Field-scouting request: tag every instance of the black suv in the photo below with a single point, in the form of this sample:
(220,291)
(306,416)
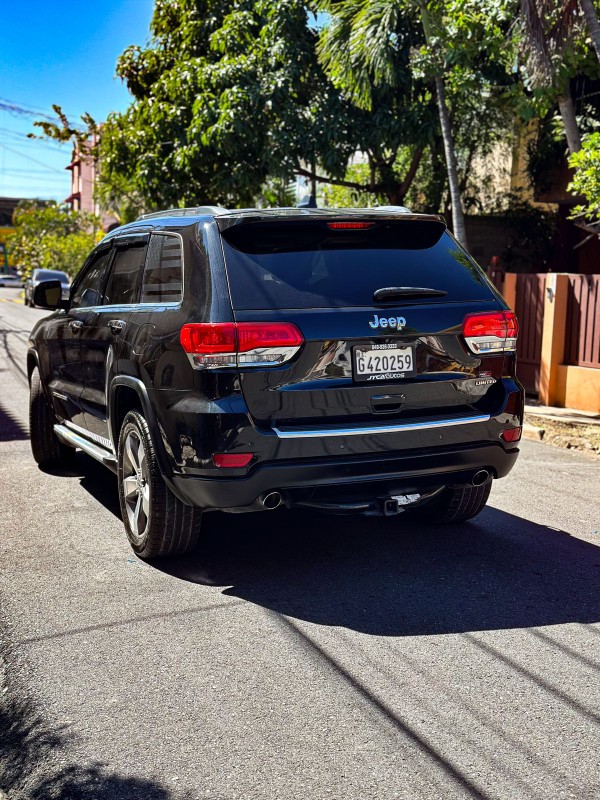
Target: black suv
(352,361)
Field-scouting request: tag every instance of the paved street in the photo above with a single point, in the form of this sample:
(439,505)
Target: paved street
(296,656)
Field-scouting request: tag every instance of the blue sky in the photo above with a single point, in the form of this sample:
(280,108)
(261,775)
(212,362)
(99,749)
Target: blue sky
(64,52)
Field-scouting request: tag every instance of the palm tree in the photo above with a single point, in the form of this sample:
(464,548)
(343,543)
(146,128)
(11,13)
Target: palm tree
(591,18)
(357,49)
(548,28)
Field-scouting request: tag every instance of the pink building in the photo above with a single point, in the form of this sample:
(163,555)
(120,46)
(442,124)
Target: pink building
(83,182)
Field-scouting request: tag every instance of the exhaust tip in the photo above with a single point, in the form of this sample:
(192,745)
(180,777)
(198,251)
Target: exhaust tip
(271,500)
(480,477)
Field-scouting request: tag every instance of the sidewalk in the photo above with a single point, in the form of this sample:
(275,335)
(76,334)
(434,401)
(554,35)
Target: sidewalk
(563,427)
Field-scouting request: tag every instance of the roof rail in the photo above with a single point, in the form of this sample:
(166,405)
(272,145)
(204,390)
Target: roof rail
(185,212)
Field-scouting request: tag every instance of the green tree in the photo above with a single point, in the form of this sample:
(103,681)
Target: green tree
(586,180)
(51,236)
(229,97)
(457,55)
(552,34)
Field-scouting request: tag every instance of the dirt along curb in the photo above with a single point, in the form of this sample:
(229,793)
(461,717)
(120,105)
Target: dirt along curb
(571,435)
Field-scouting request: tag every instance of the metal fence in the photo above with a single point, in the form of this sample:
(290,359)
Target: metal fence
(529,309)
(582,345)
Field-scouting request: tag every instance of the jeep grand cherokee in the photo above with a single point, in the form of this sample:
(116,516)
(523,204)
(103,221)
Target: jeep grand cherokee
(352,361)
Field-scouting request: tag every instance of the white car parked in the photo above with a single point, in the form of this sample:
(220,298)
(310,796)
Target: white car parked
(10,279)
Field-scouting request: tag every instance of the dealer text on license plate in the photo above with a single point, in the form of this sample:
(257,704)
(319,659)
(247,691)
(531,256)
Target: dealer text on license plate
(383,362)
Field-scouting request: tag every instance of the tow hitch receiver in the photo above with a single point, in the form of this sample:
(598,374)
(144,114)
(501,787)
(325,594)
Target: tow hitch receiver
(390,507)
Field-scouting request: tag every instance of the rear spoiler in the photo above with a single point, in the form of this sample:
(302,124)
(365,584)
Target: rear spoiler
(245,216)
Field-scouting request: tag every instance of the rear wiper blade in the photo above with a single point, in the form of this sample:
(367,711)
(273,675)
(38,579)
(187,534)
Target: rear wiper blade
(389,293)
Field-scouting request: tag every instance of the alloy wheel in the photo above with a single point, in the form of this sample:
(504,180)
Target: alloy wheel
(136,485)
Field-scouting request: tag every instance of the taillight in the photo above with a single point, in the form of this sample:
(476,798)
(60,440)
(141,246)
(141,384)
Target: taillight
(493,332)
(211,345)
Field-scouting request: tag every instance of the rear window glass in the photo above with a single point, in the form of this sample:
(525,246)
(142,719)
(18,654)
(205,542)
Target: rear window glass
(164,270)
(51,275)
(308,265)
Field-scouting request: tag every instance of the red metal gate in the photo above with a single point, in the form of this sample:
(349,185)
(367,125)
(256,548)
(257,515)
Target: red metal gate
(530,314)
(582,346)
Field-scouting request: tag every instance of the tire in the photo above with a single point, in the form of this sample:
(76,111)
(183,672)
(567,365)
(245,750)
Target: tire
(156,522)
(47,450)
(457,504)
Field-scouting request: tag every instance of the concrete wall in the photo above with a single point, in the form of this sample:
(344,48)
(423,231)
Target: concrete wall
(561,385)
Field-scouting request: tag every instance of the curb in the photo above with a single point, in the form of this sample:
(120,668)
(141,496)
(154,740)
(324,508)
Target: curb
(530,432)
(563,433)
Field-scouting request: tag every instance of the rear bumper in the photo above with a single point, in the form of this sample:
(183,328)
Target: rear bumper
(412,470)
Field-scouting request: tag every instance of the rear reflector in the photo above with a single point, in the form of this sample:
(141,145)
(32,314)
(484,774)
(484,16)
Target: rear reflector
(350,226)
(511,434)
(232,460)
(232,344)
(492,332)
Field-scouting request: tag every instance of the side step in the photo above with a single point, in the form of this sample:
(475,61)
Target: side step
(94,450)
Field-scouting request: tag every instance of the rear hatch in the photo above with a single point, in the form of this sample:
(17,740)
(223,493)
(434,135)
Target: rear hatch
(380,304)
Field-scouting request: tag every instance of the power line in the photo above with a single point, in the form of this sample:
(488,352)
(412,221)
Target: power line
(13,108)
(23,138)
(31,158)
(21,109)
(24,171)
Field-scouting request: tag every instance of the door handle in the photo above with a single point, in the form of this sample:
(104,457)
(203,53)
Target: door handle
(116,325)
(76,324)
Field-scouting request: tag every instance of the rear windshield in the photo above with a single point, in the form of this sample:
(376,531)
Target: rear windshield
(52,275)
(308,265)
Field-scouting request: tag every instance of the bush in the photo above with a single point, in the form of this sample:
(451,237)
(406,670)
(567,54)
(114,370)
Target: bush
(51,236)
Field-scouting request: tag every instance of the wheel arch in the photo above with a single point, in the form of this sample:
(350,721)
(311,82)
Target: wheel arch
(33,361)
(129,394)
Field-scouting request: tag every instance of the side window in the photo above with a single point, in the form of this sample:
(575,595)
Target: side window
(88,291)
(163,275)
(123,280)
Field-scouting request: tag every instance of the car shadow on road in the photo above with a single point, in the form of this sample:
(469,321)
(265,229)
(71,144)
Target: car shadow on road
(398,576)
(388,576)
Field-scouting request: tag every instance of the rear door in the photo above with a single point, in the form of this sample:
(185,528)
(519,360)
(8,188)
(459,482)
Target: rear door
(368,353)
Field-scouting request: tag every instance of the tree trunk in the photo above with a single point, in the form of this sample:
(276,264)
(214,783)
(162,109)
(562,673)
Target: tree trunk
(567,112)
(458,220)
(591,18)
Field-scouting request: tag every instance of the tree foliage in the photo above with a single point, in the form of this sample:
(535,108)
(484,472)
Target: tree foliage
(586,180)
(51,236)
(230,95)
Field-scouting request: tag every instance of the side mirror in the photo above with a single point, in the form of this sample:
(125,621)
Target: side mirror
(48,294)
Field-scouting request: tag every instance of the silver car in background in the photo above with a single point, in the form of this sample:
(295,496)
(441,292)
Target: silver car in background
(39,275)
(10,279)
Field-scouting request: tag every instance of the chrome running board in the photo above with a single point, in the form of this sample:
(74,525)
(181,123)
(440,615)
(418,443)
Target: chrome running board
(94,450)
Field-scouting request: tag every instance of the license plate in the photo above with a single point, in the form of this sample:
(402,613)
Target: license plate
(382,362)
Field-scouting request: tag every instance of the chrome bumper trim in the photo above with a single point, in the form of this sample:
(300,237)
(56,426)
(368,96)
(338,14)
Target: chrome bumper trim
(374,429)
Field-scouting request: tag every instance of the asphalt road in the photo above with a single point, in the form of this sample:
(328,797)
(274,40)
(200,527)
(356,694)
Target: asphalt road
(295,655)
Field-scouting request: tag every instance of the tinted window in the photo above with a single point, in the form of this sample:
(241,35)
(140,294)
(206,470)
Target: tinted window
(88,291)
(124,275)
(51,275)
(308,265)
(163,272)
